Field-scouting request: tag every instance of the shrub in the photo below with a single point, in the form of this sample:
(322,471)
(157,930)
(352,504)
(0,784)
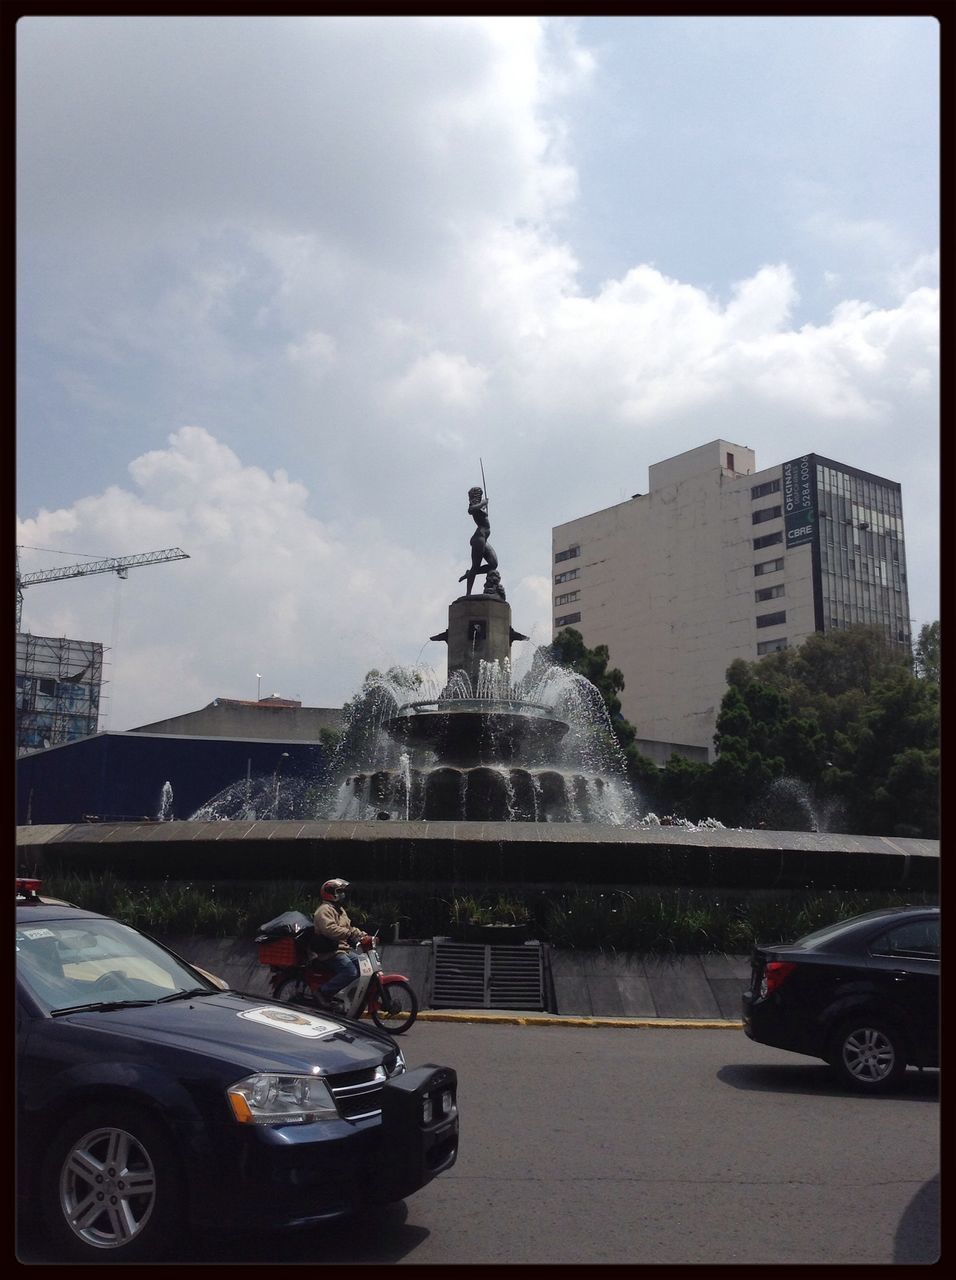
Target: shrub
(674,921)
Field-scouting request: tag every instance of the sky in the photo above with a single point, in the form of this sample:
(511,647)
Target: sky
(285,285)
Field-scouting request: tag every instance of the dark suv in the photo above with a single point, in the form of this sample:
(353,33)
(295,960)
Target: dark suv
(148,1097)
(863,994)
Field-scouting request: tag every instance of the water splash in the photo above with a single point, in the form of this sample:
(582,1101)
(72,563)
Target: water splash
(788,804)
(165,803)
(535,747)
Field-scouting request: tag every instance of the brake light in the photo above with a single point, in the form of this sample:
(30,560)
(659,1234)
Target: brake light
(28,887)
(776,972)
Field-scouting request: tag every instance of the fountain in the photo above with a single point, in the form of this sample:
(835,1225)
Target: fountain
(482,744)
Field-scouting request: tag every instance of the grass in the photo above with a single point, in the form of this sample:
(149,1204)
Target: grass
(649,922)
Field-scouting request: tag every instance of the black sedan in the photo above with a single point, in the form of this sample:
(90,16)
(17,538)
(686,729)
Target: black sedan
(862,994)
(149,1098)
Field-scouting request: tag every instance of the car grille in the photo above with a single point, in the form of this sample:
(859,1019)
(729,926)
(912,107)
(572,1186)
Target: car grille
(358,1094)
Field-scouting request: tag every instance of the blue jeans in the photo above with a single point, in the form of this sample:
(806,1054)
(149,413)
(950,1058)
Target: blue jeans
(345,970)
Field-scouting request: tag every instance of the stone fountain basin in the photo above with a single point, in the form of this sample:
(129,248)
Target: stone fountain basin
(477,729)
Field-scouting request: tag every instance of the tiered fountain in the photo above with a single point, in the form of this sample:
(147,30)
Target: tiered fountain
(482,746)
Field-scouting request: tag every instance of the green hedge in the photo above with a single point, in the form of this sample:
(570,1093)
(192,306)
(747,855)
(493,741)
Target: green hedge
(670,921)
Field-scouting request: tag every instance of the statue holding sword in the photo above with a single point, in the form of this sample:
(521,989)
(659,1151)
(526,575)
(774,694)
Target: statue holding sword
(483,558)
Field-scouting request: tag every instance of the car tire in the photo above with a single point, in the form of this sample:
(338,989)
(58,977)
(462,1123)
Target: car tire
(868,1054)
(111,1187)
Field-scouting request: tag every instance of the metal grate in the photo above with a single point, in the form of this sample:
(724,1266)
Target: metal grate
(473,976)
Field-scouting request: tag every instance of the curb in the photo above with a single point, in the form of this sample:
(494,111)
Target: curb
(569,1020)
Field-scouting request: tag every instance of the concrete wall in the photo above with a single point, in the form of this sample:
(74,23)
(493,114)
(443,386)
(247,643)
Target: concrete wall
(583,983)
(449,854)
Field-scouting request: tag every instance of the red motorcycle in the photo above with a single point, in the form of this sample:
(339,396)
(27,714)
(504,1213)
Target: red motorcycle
(285,945)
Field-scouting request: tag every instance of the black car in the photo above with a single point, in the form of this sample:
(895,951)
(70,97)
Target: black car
(149,1098)
(862,994)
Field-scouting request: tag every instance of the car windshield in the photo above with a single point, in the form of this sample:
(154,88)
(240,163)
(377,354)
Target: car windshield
(67,964)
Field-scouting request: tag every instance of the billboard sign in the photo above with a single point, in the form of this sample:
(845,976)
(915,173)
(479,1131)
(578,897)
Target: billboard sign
(799,507)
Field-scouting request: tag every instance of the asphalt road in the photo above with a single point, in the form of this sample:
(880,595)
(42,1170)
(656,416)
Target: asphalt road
(605,1145)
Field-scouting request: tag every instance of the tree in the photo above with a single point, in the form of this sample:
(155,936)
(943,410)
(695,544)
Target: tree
(926,653)
(887,763)
(759,739)
(844,716)
(569,650)
(831,675)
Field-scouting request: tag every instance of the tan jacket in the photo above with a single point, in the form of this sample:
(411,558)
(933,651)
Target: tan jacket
(331,921)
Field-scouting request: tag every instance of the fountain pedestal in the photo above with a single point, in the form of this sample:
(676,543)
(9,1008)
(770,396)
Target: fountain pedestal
(479,630)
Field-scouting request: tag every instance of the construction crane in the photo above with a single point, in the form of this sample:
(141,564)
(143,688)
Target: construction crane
(120,565)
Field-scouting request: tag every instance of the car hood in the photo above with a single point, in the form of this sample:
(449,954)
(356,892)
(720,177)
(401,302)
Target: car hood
(261,1035)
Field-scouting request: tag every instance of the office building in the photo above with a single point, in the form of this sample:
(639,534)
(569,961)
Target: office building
(719,561)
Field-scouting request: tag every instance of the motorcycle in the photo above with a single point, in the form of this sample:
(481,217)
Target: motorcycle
(297,974)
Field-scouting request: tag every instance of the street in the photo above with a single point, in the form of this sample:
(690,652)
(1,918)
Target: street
(599,1145)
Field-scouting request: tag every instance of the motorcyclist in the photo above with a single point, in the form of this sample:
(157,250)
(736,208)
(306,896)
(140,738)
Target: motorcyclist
(334,936)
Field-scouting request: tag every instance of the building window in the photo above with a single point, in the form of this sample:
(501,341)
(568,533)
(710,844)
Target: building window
(761,490)
(769,593)
(568,598)
(567,620)
(770,646)
(768,540)
(768,566)
(772,619)
(571,553)
(566,576)
(730,462)
(766,513)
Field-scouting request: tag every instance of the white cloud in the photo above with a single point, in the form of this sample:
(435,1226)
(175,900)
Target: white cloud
(450,380)
(341,250)
(315,354)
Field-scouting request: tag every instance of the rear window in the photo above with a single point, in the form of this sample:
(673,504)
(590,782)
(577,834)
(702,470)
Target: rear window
(822,938)
(918,939)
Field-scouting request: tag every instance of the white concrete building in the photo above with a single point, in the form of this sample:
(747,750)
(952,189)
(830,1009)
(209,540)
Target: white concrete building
(719,561)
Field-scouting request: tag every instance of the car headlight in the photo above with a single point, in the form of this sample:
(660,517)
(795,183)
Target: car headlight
(398,1066)
(272,1099)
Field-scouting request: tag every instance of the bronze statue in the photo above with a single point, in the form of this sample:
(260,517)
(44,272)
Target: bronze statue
(481,549)
(493,585)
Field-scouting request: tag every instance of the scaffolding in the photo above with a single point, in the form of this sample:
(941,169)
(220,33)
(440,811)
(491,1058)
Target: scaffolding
(58,685)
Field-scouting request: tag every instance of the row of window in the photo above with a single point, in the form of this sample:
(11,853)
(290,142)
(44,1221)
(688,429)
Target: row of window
(568,598)
(761,490)
(768,566)
(571,554)
(772,619)
(771,646)
(769,593)
(567,620)
(768,540)
(766,513)
(566,576)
